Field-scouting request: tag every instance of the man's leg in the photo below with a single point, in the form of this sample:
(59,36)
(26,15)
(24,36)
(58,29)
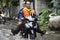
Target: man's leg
(16,30)
(39,30)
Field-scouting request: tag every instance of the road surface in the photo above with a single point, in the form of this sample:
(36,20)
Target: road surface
(5,33)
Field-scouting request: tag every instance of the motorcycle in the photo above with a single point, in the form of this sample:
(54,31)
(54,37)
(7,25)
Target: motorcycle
(30,26)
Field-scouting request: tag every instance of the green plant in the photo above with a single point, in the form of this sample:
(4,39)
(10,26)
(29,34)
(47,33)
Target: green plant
(44,18)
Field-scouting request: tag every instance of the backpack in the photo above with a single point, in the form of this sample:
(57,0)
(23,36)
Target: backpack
(20,15)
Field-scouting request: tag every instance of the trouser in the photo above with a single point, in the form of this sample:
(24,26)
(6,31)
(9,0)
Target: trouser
(18,29)
(38,28)
(39,31)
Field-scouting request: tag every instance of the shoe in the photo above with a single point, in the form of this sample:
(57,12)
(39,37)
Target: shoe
(44,32)
(12,31)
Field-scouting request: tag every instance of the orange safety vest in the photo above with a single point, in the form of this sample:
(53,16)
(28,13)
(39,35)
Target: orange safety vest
(27,12)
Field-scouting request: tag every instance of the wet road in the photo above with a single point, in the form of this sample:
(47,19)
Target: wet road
(5,33)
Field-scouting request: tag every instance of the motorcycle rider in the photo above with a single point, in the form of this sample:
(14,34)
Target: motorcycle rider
(27,11)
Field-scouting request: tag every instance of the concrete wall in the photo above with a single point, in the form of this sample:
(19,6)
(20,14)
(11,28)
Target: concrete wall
(39,5)
(21,2)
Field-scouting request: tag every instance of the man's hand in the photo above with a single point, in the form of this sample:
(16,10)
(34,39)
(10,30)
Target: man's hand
(22,18)
(19,23)
(33,11)
(16,18)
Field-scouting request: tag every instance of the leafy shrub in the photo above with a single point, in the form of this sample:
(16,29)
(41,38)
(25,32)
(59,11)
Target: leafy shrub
(44,18)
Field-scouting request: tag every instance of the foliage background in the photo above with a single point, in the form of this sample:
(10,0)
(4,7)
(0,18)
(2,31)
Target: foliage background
(44,19)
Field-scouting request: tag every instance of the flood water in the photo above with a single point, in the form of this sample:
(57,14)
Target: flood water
(5,33)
